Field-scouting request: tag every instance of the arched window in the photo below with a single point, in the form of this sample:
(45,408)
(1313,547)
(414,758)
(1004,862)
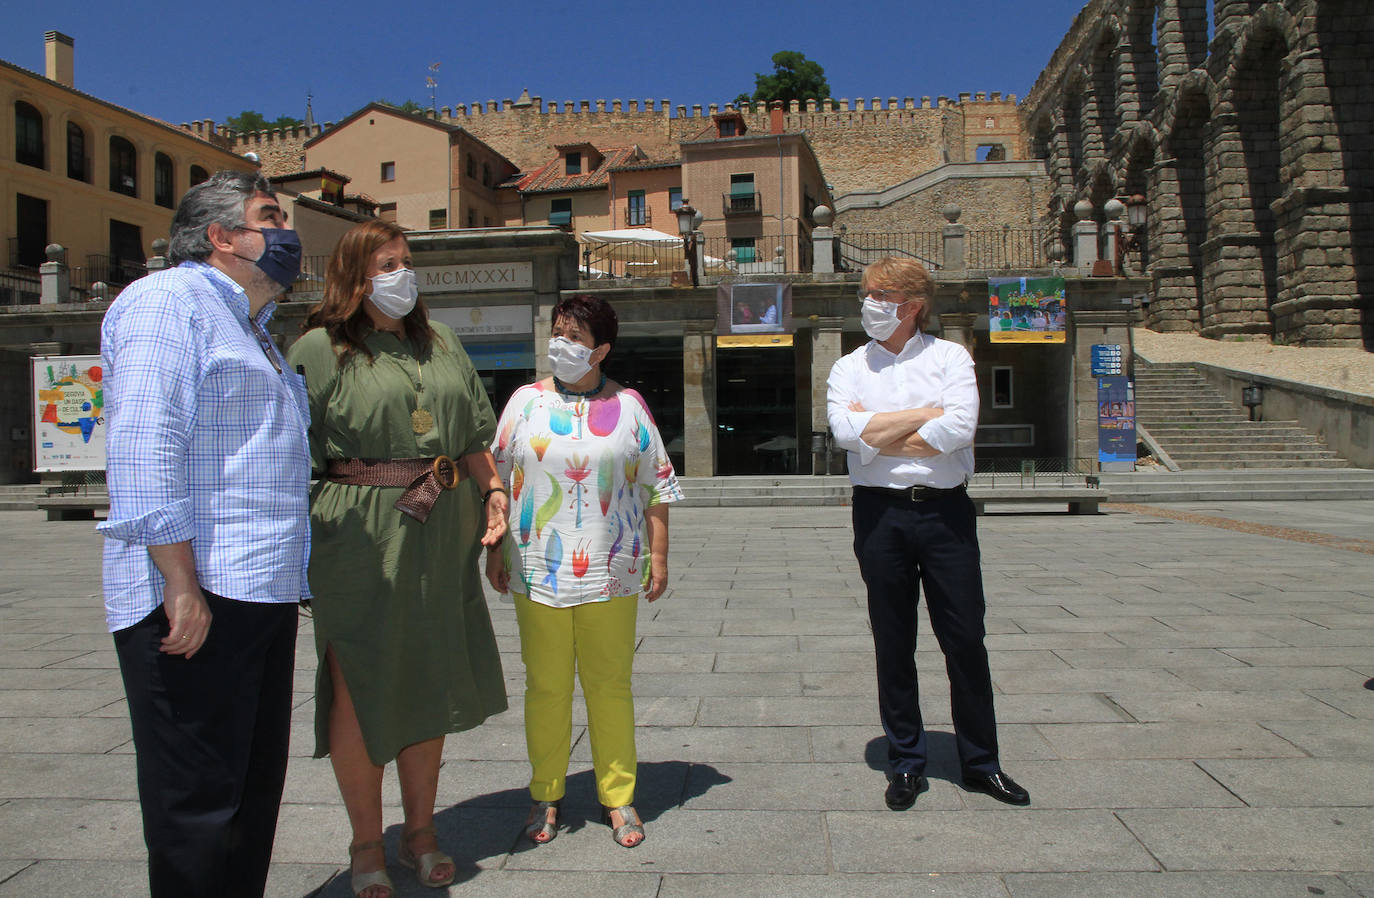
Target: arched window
(163,192)
(123,167)
(76,152)
(198,174)
(28,135)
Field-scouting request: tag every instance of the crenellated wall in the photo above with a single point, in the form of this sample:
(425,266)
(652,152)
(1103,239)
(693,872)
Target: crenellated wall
(862,144)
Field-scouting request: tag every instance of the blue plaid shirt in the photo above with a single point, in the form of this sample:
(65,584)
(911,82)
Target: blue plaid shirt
(205,442)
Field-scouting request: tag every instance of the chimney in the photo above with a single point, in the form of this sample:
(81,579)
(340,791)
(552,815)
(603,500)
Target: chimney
(58,56)
(775,119)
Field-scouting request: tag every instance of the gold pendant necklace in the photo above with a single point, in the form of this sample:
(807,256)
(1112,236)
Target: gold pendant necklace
(421,421)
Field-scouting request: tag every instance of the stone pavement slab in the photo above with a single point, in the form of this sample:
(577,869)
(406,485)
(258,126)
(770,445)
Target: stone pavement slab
(1185,702)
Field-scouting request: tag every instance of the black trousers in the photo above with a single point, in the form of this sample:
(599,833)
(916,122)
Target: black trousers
(902,545)
(211,736)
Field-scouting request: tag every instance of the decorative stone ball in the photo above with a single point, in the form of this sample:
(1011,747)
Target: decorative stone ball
(55,252)
(1083,209)
(1114,208)
(160,247)
(952,212)
(822,216)
(1056,252)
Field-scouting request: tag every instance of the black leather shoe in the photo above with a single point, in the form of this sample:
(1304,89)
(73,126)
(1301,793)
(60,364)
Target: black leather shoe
(903,789)
(998,785)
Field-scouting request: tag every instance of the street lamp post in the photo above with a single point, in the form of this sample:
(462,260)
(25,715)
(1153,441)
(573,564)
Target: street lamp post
(687,227)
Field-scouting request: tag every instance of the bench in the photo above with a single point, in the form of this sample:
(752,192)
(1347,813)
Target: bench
(1081,499)
(61,507)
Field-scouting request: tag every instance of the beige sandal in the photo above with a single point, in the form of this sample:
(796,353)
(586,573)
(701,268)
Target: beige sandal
(361,882)
(424,864)
(630,825)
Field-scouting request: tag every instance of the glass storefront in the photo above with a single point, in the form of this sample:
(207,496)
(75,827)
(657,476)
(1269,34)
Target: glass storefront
(653,366)
(756,410)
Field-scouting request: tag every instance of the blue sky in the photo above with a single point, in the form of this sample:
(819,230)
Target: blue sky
(172,62)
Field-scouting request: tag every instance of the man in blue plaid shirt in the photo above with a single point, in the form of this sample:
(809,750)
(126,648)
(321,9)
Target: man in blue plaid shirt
(208,535)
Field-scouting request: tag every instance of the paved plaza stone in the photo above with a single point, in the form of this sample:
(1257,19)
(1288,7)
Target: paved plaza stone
(1184,699)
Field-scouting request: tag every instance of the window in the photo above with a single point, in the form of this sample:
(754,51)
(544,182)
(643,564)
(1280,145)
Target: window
(744,249)
(560,212)
(674,198)
(126,253)
(728,127)
(76,152)
(438,218)
(163,192)
(742,196)
(1001,387)
(472,166)
(198,175)
(32,219)
(574,164)
(388,171)
(28,135)
(123,167)
(472,218)
(636,215)
(486,175)
(991,152)
(387,212)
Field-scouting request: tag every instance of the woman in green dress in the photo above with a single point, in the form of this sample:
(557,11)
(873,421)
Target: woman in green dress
(399,431)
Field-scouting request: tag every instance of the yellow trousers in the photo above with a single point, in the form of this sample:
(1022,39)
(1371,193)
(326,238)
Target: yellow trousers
(597,638)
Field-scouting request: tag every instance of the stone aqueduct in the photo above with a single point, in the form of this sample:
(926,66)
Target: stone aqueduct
(1254,151)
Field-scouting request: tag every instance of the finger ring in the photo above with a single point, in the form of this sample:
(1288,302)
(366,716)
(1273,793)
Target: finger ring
(185,637)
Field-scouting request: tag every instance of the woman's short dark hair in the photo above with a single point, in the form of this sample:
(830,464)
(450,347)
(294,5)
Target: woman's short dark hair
(593,313)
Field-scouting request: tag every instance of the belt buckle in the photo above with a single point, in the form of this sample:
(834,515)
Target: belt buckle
(441,463)
(916,493)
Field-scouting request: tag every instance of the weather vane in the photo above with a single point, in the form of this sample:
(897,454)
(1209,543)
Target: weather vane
(432,84)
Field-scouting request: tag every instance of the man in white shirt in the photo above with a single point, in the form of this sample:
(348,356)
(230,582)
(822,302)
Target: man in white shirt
(905,408)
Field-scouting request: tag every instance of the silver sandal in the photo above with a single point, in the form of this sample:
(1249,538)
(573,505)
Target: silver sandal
(543,832)
(632,825)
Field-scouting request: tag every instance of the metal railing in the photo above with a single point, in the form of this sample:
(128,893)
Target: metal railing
(1001,249)
(637,216)
(857,249)
(19,289)
(1035,472)
(742,203)
(310,282)
(112,270)
(721,255)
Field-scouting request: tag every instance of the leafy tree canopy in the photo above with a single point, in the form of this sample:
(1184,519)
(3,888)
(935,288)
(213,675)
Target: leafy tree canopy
(407,106)
(794,78)
(252,120)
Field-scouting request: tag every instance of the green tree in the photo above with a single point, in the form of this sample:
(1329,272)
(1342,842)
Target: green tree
(794,78)
(407,106)
(252,120)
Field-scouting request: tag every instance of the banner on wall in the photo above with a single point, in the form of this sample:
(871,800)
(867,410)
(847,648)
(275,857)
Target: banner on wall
(1026,310)
(754,309)
(1115,419)
(68,413)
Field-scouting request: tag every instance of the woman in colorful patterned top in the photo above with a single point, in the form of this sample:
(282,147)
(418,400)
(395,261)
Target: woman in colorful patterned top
(589,484)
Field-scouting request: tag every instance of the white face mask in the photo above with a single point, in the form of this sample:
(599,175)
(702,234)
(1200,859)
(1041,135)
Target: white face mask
(880,318)
(570,361)
(394,292)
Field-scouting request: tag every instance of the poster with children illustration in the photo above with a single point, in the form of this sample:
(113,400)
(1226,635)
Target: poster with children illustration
(1026,310)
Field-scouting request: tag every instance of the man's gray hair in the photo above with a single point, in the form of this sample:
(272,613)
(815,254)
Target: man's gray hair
(218,200)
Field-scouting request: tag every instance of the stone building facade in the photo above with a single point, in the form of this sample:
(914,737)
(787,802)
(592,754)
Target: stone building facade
(1251,149)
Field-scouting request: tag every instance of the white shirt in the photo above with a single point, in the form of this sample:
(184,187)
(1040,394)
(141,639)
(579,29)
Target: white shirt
(928,372)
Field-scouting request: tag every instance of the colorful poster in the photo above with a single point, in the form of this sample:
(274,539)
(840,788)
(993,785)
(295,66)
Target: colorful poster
(754,309)
(1026,310)
(68,413)
(1115,419)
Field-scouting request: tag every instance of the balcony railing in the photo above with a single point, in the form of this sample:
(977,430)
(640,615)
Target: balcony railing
(637,216)
(742,203)
(113,270)
(1000,249)
(19,288)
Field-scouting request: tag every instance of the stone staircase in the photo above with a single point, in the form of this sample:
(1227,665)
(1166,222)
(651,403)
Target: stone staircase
(1242,485)
(1199,429)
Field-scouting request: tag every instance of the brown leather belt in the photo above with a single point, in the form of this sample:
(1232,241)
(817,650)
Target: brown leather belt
(423,478)
(913,493)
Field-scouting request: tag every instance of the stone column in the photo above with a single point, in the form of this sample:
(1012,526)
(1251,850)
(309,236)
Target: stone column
(955,236)
(826,348)
(1174,282)
(1084,238)
(1234,298)
(54,276)
(1085,329)
(957,327)
(823,241)
(699,398)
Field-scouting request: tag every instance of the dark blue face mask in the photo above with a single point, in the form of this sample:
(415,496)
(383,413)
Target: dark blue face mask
(281,254)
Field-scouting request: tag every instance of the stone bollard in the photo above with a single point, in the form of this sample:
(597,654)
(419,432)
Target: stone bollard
(954,236)
(1084,238)
(54,276)
(823,241)
(159,261)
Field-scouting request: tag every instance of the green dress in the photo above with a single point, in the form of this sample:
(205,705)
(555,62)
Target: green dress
(400,602)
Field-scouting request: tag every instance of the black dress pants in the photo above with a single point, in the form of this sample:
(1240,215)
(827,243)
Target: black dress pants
(901,546)
(211,736)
